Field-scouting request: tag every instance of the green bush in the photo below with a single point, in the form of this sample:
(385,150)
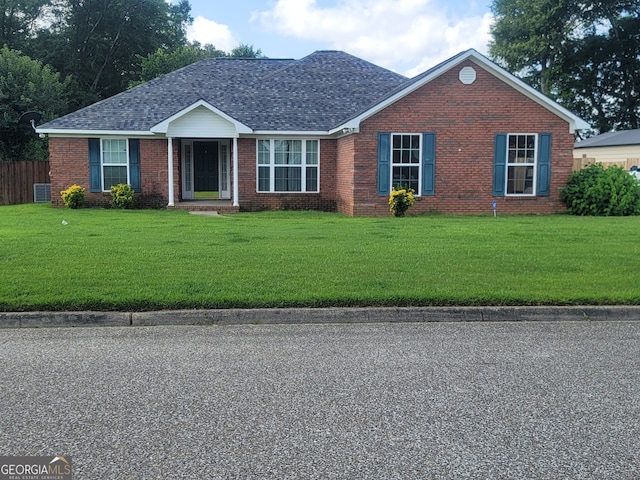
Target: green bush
(122,196)
(596,190)
(73,197)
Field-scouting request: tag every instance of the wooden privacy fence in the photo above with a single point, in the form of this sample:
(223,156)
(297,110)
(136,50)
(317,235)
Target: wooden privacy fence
(580,163)
(17,179)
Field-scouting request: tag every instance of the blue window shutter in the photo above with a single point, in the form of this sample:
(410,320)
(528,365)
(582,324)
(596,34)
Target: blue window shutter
(384,164)
(95,178)
(544,165)
(499,164)
(428,163)
(134,163)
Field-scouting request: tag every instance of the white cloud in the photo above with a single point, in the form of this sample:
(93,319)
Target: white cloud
(207,31)
(408,36)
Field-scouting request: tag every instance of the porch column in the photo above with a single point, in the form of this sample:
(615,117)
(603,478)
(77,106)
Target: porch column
(170,160)
(236,201)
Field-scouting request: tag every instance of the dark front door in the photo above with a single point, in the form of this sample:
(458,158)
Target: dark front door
(205,170)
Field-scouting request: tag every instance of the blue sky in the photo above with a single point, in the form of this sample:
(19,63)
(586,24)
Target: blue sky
(407,36)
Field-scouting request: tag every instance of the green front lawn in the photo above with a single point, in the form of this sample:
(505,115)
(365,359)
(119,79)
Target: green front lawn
(142,260)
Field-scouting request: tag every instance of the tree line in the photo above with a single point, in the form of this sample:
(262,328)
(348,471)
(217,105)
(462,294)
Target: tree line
(60,55)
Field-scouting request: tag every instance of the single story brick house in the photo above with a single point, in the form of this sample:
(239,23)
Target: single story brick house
(327,132)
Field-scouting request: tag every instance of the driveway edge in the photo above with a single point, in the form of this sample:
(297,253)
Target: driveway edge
(318,315)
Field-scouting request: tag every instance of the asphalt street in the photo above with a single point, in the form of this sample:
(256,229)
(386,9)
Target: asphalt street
(525,400)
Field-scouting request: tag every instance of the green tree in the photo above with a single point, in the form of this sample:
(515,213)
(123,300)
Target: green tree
(18,19)
(161,62)
(246,51)
(26,85)
(528,36)
(600,77)
(99,42)
(583,53)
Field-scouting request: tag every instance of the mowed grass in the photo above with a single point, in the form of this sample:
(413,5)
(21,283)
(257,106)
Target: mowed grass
(147,260)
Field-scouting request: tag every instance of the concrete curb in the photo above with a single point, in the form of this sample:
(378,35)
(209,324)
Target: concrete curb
(318,315)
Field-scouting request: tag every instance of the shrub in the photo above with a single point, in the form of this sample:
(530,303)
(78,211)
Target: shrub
(122,196)
(400,200)
(596,190)
(73,197)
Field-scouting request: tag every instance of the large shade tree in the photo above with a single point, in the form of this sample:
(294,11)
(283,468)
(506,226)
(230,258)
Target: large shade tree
(99,42)
(583,53)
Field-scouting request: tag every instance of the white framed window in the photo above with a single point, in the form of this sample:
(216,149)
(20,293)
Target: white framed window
(287,165)
(114,161)
(406,161)
(522,154)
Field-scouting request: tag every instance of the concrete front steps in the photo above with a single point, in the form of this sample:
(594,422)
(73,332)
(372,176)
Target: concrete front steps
(222,207)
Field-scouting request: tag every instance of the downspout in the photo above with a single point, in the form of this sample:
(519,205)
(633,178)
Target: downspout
(170,161)
(236,200)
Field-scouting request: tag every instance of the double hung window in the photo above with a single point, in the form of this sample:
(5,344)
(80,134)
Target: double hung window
(113,161)
(521,164)
(288,165)
(405,161)
(114,156)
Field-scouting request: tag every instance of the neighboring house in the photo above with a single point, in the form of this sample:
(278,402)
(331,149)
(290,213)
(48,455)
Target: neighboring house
(327,132)
(611,148)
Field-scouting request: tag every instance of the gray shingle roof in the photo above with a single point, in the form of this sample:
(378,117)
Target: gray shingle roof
(316,93)
(611,139)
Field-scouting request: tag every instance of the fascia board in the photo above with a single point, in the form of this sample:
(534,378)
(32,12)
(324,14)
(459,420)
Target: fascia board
(59,132)
(290,133)
(163,126)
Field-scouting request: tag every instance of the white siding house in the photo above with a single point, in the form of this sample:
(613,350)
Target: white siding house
(611,148)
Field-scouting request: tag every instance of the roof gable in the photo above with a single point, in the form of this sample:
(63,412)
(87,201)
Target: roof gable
(200,120)
(575,123)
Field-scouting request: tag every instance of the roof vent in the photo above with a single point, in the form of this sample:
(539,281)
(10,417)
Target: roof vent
(467,75)
(41,192)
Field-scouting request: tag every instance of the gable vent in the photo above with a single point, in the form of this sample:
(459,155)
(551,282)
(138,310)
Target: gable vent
(467,75)
(41,192)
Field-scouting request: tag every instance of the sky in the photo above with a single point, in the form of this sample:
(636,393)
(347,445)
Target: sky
(406,36)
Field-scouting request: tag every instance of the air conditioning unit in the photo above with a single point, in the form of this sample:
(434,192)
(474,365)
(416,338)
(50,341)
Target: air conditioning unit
(41,192)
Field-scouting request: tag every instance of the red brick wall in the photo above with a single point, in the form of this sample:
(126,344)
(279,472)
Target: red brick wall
(465,119)
(69,161)
(345,174)
(252,201)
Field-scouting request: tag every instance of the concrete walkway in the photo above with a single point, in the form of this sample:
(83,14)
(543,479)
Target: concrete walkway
(318,315)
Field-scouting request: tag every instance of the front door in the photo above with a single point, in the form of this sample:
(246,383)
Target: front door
(206,177)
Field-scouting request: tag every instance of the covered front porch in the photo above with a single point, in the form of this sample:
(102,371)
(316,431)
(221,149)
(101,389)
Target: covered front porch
(206,143)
